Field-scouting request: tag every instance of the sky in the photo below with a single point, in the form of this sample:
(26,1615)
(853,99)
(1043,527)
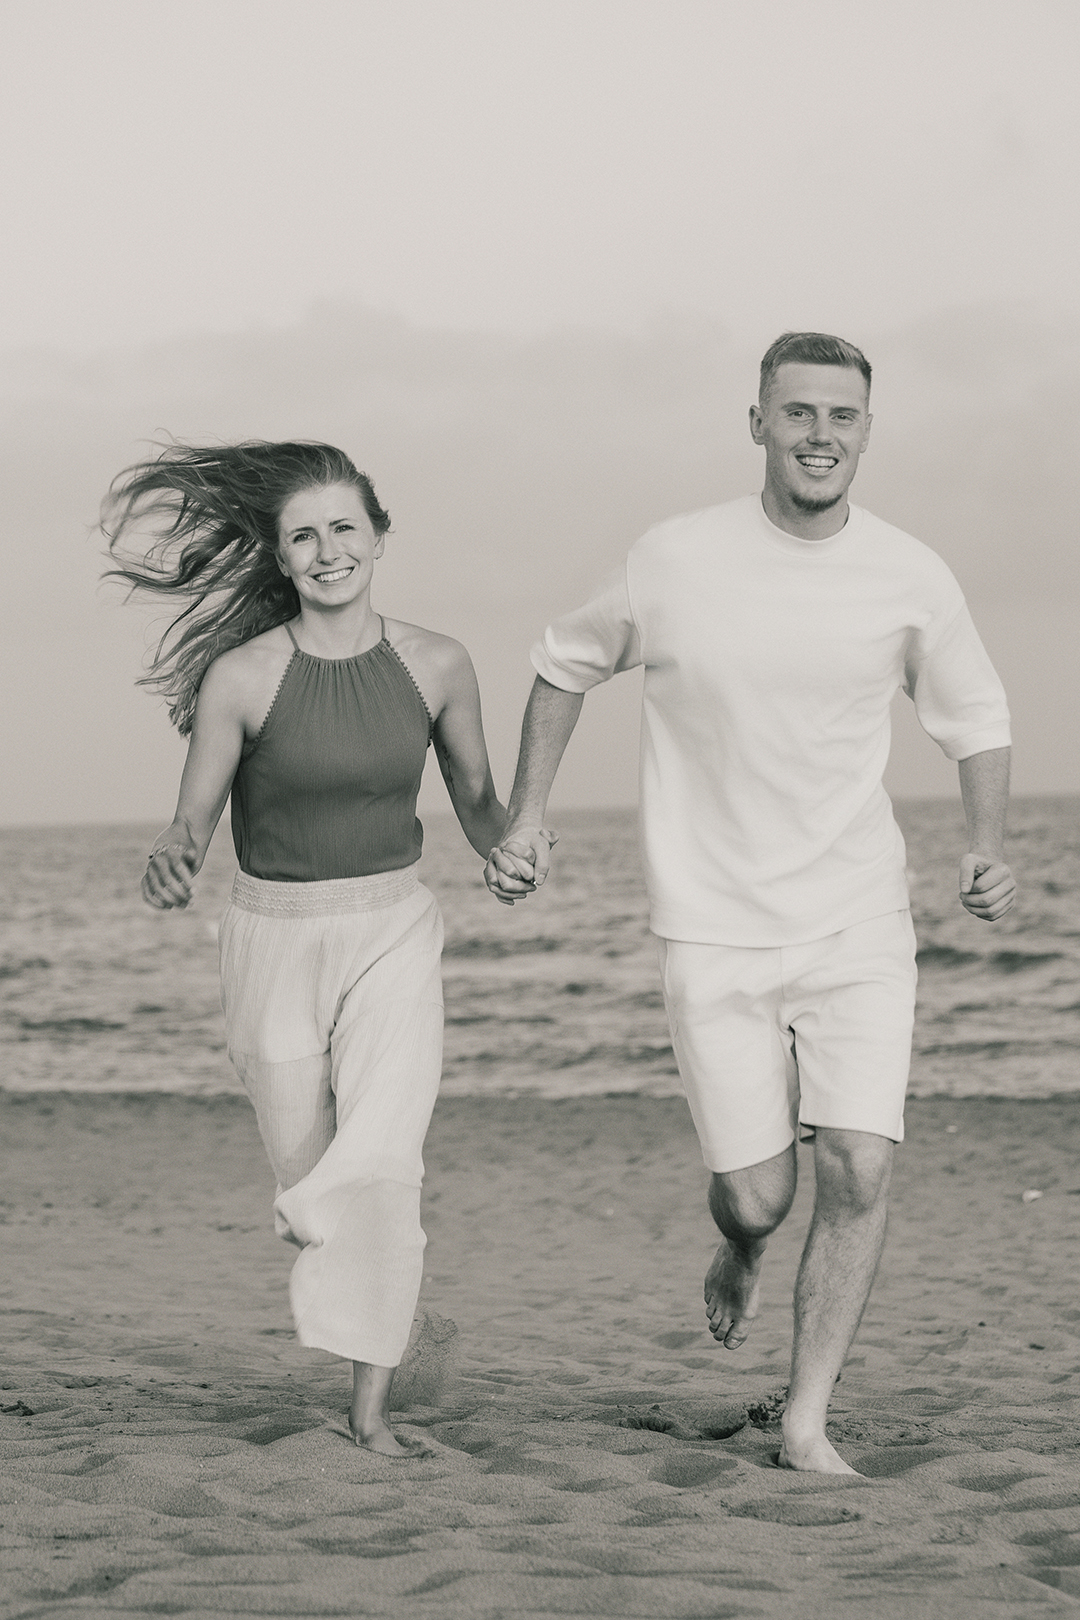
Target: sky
(521,261)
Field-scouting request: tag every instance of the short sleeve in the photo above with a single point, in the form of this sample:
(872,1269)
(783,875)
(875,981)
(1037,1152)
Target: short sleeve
(958,696)
(594,642)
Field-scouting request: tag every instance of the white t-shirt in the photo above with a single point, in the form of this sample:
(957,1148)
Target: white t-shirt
(770,665)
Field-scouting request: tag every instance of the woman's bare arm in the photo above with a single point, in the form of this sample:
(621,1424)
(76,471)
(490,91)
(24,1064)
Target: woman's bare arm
(217,738)
(461,750)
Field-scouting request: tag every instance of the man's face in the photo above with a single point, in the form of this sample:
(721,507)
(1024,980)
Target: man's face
(814,424)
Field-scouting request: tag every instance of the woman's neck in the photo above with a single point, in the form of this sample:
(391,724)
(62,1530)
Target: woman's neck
(338,632)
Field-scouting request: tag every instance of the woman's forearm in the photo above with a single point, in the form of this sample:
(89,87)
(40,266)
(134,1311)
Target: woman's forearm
(482,820)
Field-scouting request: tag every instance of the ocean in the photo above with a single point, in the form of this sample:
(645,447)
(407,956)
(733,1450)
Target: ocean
(559,996)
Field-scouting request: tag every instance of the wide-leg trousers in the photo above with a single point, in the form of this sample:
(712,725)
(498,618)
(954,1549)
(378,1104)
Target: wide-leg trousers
(333,1010)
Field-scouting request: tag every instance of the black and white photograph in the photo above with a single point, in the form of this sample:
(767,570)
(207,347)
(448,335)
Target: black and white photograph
(540,809)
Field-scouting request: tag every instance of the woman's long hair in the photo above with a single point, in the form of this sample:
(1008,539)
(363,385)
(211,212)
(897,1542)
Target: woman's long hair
(212,515)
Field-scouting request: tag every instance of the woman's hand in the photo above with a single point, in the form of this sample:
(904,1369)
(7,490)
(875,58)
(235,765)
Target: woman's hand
(168,877)
(217,739)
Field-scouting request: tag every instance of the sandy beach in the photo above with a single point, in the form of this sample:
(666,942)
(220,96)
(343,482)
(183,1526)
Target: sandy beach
(168,1449)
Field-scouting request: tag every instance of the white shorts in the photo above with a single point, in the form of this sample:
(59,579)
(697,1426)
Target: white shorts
(771,1039)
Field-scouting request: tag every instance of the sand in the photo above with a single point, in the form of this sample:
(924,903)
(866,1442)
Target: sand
(168,1449)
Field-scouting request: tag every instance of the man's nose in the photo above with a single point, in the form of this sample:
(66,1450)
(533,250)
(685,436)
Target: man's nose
(821,431)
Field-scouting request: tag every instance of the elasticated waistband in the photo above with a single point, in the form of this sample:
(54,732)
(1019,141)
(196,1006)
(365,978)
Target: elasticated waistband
(330,897)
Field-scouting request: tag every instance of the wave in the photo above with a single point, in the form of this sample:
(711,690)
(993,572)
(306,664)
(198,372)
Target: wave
(947,956)
(996,1049)
(495,950)
(29,964)
(68,1026)
(1019,961)
(545,1058)
(461,1019)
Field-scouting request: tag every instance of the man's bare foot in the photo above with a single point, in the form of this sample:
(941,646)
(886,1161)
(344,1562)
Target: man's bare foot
(731,1293)
(811,1453)
(380,1438)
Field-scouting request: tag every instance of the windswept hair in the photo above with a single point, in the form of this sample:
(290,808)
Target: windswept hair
(212,517)
(809,349)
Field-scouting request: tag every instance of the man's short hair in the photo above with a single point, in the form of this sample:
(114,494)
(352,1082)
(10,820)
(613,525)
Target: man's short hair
(810,349)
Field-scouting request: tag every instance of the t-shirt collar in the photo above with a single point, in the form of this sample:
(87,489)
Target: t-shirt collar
(795,547)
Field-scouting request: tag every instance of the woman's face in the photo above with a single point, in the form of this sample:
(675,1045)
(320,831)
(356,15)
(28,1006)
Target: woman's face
(326,545)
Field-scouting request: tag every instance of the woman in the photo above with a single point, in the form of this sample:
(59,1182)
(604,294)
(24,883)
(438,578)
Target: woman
(315,714)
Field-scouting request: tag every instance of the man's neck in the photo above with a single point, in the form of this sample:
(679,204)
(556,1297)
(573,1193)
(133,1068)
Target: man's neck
(804,525)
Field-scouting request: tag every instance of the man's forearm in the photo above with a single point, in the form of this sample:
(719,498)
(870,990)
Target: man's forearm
(984,788)
(550,718)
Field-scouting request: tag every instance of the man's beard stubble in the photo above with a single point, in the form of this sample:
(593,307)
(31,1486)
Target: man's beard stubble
(811,506)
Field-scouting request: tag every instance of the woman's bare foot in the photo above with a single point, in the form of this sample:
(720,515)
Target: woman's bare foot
(810,1452)
(380,1438)
(731,1292)
(369,1415)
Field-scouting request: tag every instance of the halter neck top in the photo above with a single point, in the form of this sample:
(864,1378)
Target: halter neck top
(328,787)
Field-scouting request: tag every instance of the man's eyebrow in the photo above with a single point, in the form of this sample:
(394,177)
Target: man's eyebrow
(805,405)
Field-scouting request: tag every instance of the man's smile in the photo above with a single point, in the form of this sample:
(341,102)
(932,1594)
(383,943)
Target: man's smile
(817,464)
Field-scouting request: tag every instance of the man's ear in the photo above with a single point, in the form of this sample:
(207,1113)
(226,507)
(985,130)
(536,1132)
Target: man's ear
(757,420)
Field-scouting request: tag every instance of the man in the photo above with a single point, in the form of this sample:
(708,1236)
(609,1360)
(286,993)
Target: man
(774,633)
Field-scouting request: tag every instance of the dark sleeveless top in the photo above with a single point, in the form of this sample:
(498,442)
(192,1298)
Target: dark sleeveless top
(328,787)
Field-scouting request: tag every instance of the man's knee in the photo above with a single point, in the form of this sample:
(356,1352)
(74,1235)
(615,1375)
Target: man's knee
(852,1169)
(753,1202)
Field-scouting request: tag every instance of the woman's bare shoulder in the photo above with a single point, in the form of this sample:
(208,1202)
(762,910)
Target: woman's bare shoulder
(243,675)
(439,665)
(436,650)
(271,648)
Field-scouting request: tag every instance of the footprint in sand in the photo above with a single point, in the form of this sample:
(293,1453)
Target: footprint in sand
(691,1470)
(692,1421)
(899,1460)
(989,1482)
(805,1511)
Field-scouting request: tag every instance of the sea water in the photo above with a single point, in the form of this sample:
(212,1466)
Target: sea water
(559,995)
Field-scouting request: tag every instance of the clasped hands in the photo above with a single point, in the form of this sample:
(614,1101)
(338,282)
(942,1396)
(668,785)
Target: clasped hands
(518,864)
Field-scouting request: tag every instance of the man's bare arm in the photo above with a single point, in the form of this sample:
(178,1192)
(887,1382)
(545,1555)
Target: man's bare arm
(550,717)
(987,887)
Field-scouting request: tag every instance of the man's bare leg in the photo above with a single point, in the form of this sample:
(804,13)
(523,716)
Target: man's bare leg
(838,1265)
(747,1205)
(369,1413)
